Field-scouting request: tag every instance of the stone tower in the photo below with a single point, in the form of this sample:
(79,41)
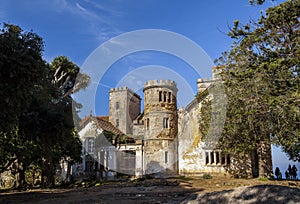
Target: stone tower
(160,123)
(124,107)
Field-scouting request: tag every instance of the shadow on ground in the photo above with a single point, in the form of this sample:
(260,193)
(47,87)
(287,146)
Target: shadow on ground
(148,191)
(268,194)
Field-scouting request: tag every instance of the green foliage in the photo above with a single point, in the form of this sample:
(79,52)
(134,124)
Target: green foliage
(257,2)
(262,83)
(207,176)
(22,69)
(263,179)
(185,178)
(65,76)
(36,122)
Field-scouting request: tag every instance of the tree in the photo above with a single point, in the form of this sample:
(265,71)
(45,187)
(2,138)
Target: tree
(262,86)
(22,70)
(67,78)
(20,55)
(36,122)
(50,119)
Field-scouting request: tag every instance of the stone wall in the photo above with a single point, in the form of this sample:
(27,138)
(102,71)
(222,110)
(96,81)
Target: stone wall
(161,127)
(124,107)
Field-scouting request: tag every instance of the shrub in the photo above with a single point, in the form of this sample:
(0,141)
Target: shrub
(207,176)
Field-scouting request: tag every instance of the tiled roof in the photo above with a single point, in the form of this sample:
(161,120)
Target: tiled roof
(103,123)
(106,117)
(106,125)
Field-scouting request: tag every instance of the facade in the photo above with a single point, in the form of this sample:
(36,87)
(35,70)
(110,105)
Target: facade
(161,140)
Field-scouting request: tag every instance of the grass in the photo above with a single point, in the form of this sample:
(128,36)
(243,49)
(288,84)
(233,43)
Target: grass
(263,179)
(184,178)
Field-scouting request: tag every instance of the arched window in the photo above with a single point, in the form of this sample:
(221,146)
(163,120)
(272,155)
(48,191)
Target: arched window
(160,96)
(90,145)
(166,122)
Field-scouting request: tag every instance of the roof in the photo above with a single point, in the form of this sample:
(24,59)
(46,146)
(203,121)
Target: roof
(106,117)
(106,125)
(102,122)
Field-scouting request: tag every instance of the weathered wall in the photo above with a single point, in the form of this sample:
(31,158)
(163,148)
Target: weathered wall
(161,127)
(124,106)
(192,152)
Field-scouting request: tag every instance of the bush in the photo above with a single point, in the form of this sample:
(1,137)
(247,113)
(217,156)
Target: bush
(207,176)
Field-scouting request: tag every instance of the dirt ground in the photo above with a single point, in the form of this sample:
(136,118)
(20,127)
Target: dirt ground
(173,190)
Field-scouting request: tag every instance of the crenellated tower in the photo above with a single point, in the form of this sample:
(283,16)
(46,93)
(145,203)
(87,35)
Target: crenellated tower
(161,127)
(124,107)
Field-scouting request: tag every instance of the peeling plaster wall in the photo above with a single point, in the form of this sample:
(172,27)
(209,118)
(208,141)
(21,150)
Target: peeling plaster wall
(190,153)
(191,150)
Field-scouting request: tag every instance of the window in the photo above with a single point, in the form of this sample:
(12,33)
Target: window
(148,124)
(165,96)
(160,96)
(206,158)
(166,122)
(117,105)
(90,145)
(212,158)
(228,159)
(170,96)
(166,156)
(216,158)
(89,166)
(117,122)
(223,159)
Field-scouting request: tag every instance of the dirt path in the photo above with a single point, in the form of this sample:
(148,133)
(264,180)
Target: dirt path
(149,191)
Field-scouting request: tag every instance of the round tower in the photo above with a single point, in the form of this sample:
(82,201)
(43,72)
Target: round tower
(161,126)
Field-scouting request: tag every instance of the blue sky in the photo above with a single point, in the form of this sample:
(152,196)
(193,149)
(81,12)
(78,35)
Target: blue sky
(76,28)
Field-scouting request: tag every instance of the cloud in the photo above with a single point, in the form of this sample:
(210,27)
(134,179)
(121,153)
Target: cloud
(80,7)
(99,18)
(105,8)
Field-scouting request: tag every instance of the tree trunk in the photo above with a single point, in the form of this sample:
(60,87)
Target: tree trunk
(265,159)
(68,176)
(48,171)
(19,175)
(254,164)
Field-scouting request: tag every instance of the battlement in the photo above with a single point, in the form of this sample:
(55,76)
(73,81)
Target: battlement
(205,80)
(124,88)
(159,83)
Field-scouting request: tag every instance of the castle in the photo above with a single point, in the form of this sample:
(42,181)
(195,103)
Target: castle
(161,140)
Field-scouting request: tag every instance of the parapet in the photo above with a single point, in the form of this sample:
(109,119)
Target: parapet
(158,83)
(205,80)
(124,88)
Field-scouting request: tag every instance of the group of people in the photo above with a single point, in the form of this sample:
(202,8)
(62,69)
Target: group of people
(290,173)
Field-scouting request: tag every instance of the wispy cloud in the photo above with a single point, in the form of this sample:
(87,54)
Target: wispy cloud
(105,9)
(99,18)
